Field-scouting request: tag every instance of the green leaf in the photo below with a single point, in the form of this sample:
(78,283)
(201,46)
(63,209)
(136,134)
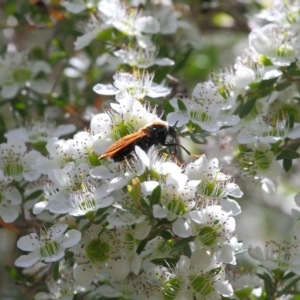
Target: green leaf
(55,271)
(144,204)
(291,120)
(288,154)
(282,85)
(37,52)
(195,139)
(101,211)
(166,262)
(295,145)
(290,288)
(166,235)
(14,274)
(54,58)
(181,61)
(178,246)
(181,105)
(155,196)
(287,164)
(186,250)
(244,293)
(168,108)
(10,7)
(65,88)
(288,275)
(246,109)
(269,284)
(101,219)
(86,227)
(267,83)
(34,195)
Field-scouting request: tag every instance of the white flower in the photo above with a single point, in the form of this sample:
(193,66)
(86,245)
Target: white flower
(250,67)
(259,162)
(77,6)
(49,246)
(91,29)
(70,192)
(168,18)
(18,72)
(205,108)
(212,227)
(142,57)
(100,252)
(35,132)
(198,277)
(178,197)
(275,43)
(267,129)
(59,156)
(284,257)
(137,85)
(64,288)
(214,184)
(17,164)
(81,148)
(10,200)
(127,20)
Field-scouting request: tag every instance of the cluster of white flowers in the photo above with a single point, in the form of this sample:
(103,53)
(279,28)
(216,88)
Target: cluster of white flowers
(149,227)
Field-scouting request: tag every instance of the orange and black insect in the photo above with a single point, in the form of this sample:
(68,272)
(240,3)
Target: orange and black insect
(149,135)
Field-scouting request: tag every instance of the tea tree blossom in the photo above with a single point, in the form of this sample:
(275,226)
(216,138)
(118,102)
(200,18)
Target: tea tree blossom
(137,85)
(102,253)
(214,185)
(205,108)
(213,229)
(142,57)
(275,43)
(258,161)
(276,256)
(178,197)
(10,200)
(39,131)
(127,20)
(18,71)
(268,129)
(16,163)
(48,247)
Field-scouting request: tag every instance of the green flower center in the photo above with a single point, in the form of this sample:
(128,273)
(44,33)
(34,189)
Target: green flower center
(93,159)
(284,51)
(224,91)
(177,207)
(210,189)
(261,159)
(200,116)
(130,242)
(13,169)
(122,129)
(49,249)
(208,235)
(40,146)
(171,288)
(97,251)
(22,75)
(201,285)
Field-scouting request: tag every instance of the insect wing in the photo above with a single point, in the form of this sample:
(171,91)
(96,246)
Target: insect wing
(123,143)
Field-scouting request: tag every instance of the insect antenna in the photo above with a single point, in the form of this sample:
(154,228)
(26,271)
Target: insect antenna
(177,144)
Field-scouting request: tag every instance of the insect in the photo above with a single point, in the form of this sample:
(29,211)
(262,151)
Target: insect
(147,136)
